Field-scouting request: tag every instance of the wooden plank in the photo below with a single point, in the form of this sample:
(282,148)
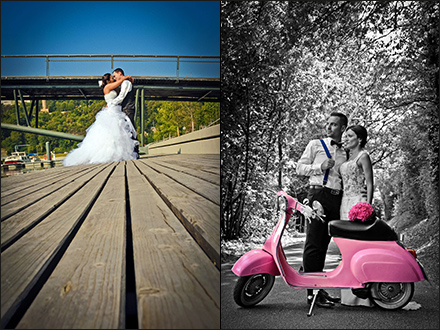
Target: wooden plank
(213,178)
(200,216)
(177,285)
(36,183)
(10,207)
(206,189)
(207,163)
(68,271)
(17,225)
(86,288)
(31,174)
(24,264)
(27,191)
(29,178)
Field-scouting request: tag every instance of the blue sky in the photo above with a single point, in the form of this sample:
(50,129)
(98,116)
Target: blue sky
(109,27)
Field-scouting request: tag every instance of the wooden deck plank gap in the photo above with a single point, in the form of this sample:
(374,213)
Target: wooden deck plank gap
(131,314)
(37,189)
(185,185)
(38,199)
(189,173)
(35,178)
(207,248)
(19,307)
(25,230)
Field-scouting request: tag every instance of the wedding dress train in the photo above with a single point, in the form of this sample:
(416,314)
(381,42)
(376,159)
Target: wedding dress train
(110,138)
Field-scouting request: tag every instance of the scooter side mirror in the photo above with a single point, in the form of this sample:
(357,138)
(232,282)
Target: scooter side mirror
(318,208)
(282,203)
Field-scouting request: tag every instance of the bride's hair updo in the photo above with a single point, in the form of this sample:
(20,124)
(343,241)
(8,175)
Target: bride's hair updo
(105,79)
(361,133)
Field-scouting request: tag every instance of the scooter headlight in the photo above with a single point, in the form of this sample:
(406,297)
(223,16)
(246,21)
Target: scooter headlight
(413,252)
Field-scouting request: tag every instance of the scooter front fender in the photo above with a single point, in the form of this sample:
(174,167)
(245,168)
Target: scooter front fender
(256,261)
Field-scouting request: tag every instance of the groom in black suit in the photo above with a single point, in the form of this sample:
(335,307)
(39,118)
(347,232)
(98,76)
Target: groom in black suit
(127,94)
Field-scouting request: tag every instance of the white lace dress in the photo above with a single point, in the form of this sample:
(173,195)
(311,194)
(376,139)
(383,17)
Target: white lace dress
(354,185)
(354,191)
(108,139)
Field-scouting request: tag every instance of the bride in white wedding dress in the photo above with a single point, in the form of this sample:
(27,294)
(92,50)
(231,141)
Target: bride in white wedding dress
(109,138)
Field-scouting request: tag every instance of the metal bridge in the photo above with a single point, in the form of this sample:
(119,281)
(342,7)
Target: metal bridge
(86,88)
(59,87)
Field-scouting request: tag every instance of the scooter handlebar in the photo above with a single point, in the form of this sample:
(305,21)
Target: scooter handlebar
(306,210)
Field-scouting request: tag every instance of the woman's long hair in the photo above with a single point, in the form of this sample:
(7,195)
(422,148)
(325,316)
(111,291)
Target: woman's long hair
(105,80)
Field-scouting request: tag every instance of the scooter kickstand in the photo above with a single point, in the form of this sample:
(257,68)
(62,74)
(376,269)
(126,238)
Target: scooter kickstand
(315,295)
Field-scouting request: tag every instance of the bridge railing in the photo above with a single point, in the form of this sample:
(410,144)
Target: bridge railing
(148,65)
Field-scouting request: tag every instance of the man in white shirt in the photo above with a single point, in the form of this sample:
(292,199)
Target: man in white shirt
(325,187)
(126,98)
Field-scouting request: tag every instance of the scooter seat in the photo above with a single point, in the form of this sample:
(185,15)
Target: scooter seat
(379,230)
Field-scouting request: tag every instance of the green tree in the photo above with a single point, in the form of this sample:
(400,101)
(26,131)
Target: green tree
(287,65)
(74,117)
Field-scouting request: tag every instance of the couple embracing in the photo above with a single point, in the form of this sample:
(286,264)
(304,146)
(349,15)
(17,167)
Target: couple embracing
(340,176)
(112,137)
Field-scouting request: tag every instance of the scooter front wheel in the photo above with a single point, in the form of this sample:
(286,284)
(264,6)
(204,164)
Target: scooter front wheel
(250,290)
(391,295)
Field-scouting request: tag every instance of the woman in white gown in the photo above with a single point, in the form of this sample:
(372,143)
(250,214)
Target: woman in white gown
(357,181)
(109,138)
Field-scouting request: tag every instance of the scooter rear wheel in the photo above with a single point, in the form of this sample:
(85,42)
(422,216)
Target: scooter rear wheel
(250,290)
(391,295)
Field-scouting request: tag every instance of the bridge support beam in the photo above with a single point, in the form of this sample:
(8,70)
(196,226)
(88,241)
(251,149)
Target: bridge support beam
(37,110)
(17,113)
(142,116)
(24,108)
(31,110)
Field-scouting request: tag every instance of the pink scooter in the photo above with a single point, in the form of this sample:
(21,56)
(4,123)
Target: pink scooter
(375,264)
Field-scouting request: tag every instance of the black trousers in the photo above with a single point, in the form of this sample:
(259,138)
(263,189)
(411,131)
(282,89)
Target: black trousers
(317,238)
(130,114)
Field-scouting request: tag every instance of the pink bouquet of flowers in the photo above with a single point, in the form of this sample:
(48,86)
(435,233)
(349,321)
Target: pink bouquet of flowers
(361,212)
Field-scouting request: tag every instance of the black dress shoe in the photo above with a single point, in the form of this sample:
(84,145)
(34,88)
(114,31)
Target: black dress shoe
(330,298)
(321,301)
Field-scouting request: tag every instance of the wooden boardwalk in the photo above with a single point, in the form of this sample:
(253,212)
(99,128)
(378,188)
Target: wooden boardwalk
(131,244)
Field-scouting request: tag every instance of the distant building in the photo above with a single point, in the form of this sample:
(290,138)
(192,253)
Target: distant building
(44,106)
